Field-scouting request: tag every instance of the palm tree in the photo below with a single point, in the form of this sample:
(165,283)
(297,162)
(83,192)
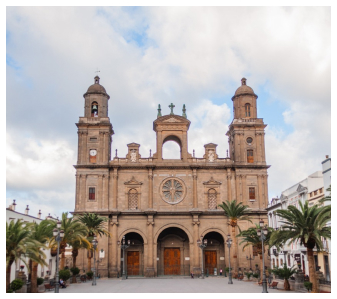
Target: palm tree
(250,238)
(74,230)
(96,226)
(76,245)
(285,273)
(19,245)
(235,211)
(42,233)
(308,225)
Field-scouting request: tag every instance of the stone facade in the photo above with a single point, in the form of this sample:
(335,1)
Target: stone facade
(164,206)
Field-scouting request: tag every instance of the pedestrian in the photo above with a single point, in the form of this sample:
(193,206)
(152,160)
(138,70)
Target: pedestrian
(192,275)
(220,271)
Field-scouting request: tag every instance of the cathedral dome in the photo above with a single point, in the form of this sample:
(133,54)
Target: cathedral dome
(244,89)
(96,88)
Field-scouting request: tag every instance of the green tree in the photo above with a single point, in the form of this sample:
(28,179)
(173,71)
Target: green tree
(285,273)
(235,212)
(74,230)
(19,245)
(308,225)
(96,226)
(76,245)
(250,238)
(42,233)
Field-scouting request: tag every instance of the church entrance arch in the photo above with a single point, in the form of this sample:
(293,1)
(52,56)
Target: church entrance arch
(134,255)
(214,254)
(173,252)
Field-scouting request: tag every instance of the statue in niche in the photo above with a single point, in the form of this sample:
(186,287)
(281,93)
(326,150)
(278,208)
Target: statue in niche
(133,156)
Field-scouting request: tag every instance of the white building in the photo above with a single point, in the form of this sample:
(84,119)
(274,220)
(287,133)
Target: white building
(11,214)
(311,189)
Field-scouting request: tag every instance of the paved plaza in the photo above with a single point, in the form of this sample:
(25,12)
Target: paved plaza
(167,285)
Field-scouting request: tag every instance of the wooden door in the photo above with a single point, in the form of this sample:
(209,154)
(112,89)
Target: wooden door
(171,261)
(133,263)
(210,261)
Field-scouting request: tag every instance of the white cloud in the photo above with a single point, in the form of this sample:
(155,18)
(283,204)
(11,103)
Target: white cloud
(191,55)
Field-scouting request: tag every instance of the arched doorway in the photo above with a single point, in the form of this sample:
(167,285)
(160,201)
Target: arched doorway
(134,255)
(214,254)
(173,252)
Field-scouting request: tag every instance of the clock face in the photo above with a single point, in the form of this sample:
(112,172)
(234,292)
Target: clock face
(93,152)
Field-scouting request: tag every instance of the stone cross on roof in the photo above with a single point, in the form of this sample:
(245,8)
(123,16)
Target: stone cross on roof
(171,107)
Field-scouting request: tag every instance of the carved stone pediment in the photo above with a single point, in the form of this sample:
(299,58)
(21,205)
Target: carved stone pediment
(212,182)
(171,120)
(133,181)
(300,188)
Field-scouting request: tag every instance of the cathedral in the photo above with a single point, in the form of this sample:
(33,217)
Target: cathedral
(162,207)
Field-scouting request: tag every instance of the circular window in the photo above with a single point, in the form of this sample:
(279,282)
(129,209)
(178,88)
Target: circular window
(172,190)
(249,140)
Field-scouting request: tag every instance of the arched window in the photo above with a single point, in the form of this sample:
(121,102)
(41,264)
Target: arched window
(247,110)
(273,263)
(212,203)
(133,199)
(281,262)
(94,109)
(288,260)
(250,156)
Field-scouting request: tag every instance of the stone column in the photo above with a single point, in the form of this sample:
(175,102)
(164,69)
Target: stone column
(265,189)
(242,148)
(263,148)
(159,146)
(244,189)
(149,272)
(229,185)
(105,204)
(195,192)
(79,153)
(150,176)
(100,192)
(257,155)
(77,196)
(196,249)
(113,248)
(115,189)
(85,148)
(259,190)
(83,191)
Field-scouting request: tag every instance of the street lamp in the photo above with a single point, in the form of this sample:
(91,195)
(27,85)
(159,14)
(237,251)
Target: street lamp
(250,260)
(262,236)
(94,245)
(229,243)
(58,234)
(202,244)
(123,246)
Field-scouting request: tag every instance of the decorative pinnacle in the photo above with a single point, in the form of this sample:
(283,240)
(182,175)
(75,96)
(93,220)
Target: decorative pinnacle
(184,111)
(171,107)
(243,81)
(159,111)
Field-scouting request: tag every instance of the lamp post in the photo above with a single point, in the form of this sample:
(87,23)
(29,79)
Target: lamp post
(202,243)
(229,243)
(250,260)
(94,245)
(262,236)
(124,246)
(58,234)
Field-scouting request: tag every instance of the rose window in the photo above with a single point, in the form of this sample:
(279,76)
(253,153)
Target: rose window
(172,190)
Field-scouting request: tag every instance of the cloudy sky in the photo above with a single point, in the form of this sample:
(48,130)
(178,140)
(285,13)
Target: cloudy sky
(157,55)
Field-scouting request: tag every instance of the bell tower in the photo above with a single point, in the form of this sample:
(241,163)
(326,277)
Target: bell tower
(94,129)
(246,132)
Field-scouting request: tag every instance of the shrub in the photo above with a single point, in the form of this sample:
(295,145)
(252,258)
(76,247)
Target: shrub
(248,274)
(9,291)
(64,274)
(255,275)
(75,270)
(40,281)
(16,284)
(308,285)
(227,269)
(90,274)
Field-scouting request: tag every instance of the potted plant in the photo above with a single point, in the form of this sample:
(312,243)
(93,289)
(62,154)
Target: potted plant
(16,284)
(64,274)
(248,274)
(40,281)
(90,274)
(285,273)
(255,276)
(75,271)
(308,285)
